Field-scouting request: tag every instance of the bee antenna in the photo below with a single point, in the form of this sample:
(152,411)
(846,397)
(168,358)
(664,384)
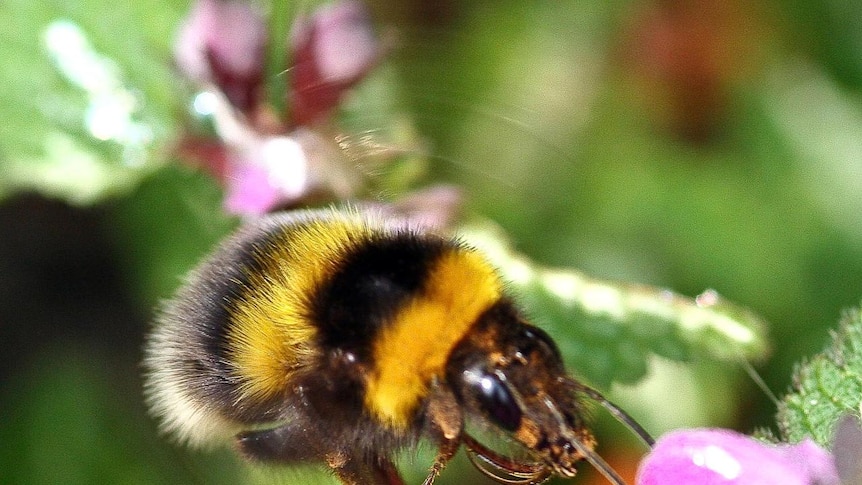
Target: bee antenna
(758,380)
(619,414)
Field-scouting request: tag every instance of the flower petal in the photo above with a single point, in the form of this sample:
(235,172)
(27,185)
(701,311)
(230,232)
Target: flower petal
(847,449)
(715,456)
(224,42)
(272,173)
(332,51)
(249,191)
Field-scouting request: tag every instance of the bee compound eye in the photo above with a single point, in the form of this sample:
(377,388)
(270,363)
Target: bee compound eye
(497,401)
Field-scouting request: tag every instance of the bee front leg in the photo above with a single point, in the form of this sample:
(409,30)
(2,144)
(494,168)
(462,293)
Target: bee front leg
(445,453)
(446,423)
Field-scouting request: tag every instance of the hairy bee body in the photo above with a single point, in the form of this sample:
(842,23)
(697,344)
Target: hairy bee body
(334,337)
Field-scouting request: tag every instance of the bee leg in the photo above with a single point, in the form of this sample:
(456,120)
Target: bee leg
(446,425)
(389,472)
(290,444)
(353,471)
(503,469)
(444,454)
(285,444)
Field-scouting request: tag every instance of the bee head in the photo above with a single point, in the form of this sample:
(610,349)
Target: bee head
(510,375)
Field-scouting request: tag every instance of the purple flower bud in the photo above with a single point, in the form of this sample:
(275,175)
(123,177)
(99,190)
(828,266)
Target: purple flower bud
(715,456)
(224,42)
(847,449)
(332,51)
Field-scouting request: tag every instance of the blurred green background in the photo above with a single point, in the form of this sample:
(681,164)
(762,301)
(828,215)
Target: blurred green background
(687,144)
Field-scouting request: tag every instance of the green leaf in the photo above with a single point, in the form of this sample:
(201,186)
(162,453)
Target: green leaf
(826,387)
(607,331)
(89,98)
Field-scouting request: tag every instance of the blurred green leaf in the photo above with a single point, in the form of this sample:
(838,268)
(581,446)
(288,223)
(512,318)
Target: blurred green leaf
(607,331)
(826,387)
(90,103)
(72,419)
(831,31)
(160,249)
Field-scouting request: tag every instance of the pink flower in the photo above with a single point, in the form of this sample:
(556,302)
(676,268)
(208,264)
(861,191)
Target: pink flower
(272,174)
(716,456)
(332,51)
(223,42)
(266,162)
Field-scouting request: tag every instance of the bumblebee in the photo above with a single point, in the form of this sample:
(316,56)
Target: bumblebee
(333,336)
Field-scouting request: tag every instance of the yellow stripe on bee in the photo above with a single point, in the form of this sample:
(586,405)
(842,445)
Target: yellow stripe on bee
(271,334)
(415,346)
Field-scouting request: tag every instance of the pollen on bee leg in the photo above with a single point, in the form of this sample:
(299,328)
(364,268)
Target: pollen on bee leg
(445,413)
(336,460)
